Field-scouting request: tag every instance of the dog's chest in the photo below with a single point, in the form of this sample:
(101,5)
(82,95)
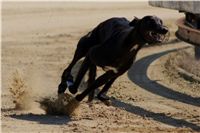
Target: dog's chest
(123,63)
(110,68)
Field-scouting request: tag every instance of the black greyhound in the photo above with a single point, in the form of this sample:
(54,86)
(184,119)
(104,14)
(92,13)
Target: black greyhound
(113,46)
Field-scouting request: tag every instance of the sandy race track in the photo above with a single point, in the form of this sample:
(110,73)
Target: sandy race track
(38,41)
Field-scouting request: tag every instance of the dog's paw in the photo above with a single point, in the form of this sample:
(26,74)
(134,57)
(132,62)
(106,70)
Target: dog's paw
(107,102)
(72,89)
(105,99)
(66,82)
(61,88)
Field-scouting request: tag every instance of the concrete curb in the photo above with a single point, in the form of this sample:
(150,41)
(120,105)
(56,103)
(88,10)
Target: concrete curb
(186,75)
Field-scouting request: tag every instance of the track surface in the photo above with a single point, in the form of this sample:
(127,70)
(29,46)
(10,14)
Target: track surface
(39,40)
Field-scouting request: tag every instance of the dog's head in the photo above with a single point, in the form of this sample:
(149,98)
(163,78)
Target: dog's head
(152,29)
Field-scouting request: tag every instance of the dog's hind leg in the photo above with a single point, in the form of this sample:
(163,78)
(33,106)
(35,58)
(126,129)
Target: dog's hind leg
(102,94)
(84,67)
(92,75)
(67,78)
(99,82)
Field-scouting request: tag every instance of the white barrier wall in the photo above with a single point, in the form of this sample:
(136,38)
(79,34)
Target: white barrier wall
(187,6)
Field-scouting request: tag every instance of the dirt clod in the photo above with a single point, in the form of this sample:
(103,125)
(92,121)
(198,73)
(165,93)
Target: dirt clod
(64,104)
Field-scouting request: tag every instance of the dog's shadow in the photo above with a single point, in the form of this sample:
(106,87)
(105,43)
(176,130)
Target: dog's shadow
(160,117)
(138,75)
(43,118)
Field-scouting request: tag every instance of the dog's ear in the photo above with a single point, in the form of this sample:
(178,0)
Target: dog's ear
(134,22)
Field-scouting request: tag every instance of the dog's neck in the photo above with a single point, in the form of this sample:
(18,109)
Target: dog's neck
(135,38)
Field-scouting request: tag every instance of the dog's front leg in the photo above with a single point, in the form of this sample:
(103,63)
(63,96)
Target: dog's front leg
(99,82)
(91,79)
(102,94)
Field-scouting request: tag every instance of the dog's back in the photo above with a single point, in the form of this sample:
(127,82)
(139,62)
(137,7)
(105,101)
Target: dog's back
(108,28)
(102,33)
